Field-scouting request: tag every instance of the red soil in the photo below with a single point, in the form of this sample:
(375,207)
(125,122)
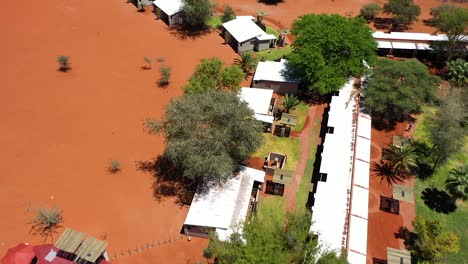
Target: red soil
(382,226)
(284,13)
(60,129)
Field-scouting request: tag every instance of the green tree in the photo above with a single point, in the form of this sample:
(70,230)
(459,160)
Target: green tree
(197,13)
(165,72)
(211,74)
(332,258)
(446,127)
(432,242)
(369,11)
(453,21)
(404,11)
(403,160)
(330,48)
(246,61)
(46,222)
(228,14)
(217,119)
(398,88)
(289,102)
(457,72)
(457,182)
(64,63)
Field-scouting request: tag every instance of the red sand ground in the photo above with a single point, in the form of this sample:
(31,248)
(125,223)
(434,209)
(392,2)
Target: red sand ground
(382,226)
(60,129)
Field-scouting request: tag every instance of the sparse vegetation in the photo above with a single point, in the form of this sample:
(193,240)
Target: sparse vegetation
(113,166)
(246,61)
(148,63)
(165,72)
(289,102)
(369,11)
(64,63)
(228,14)
(46,222)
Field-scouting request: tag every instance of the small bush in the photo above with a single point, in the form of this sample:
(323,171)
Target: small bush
(148,62)
(46,222)
(113,166)
(228,14)
(208,253)
(165,75)
(369,11)
(160,59)
(64,63)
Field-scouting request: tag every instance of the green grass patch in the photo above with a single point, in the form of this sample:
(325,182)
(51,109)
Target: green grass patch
(301,111)
(272,209)
(305,186)
(289,146)
(273,54)
(270,30)
(214,22)
(457,220)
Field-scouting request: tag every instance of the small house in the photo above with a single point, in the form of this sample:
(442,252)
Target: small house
(275,75)
(262,102)
(244,35)
(170,11)
(224,208)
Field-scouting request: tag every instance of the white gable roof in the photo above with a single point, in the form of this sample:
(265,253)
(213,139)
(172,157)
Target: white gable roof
(273,71)
(170,7)
(257,99)
(223,207)
(244,28)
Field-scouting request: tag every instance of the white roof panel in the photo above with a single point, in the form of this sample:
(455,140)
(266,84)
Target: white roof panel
(408,36)
(273,71)
(361,173)
(384,44)
(358,234)
(360,202)
(364,126)
(224,206)
(422,46)
(258,99)
(363,149)
(243,29)
(404,45)
(170,7)
(356,258)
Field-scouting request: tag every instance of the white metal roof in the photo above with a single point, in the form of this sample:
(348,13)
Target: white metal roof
(363,149)
(223,207)
(384,44)
(357,239)
(170,7)
(360,202)
(409,36)
(361,173)
(356,258)
(273,71)
(243,28)
(423,46)
(364,126)
(258,99)
(330,206)
(404,45)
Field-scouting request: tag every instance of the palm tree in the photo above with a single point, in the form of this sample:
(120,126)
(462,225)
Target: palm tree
(246,61)
(289,102)
(457,72)
(457,182)
(402,159)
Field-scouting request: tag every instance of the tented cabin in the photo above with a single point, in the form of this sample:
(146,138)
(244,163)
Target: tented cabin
(224,208)
(170,11)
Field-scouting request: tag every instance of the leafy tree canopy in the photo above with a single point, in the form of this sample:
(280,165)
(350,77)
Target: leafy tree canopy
(450,19)
(457,72)
(404,11)
(208,133)
(211,74)
(457,182)
(197,12)
(228,14)
(398,88)
(431,241)
(330,48)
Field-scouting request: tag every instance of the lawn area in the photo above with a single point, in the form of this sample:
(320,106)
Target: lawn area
(456,221)
(273,54)
(270,30)
(288,146)
(272,208)
(305,186)
(301,110)
(214,22)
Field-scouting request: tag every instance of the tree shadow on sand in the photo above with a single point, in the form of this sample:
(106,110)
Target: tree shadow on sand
(168,180)
(183,32)
(438,200)
(385,171)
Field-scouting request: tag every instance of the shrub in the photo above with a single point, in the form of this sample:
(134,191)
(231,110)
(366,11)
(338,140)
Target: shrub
(46,222)
(165,75)
(148,62)
(228,14)
(64,63)
(114,166)
(369,11)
